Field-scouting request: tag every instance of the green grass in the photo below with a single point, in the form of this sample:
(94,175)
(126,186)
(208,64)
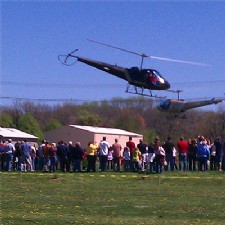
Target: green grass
(113,198)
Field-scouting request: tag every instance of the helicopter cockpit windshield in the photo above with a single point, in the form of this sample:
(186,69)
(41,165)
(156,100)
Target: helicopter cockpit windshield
(154,76)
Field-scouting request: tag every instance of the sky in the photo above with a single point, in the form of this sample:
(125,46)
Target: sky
(34,33)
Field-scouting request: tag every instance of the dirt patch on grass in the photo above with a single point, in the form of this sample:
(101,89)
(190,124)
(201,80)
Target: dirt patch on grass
(55,178)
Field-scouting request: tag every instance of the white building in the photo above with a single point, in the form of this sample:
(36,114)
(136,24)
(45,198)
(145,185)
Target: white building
(16,135)
(86,134)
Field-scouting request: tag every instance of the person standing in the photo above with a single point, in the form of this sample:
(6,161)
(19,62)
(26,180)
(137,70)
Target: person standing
(203,155)
(62,153)
(9,152)
(213,157)
(182,147)
(76,154)
(110,159)
(219,153)
(103,154)
(159,156)
(192,155)
(116,155)
(46,153)
(26,150)
(126,155)
(168,147)
(131,145)
(2,155)
(151,157)
(53,157)
(39,164)
(136,159)
(91,152)
(143,148)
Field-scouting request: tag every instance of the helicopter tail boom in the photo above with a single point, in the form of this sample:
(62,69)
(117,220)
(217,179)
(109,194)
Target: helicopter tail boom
(114,70)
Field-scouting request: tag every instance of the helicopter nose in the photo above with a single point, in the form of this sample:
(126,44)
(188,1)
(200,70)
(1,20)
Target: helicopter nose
(167,85)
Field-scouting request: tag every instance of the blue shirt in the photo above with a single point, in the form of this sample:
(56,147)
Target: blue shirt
(26,149)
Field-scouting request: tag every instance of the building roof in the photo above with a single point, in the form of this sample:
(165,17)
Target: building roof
(14,133)
(103,130)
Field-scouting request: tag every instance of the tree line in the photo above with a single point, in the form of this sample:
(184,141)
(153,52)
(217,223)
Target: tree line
(136,114)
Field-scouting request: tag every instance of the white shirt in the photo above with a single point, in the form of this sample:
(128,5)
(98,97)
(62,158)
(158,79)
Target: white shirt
(104,148)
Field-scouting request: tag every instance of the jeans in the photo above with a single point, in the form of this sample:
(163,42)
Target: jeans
(77,165)
(103,162)
(170,162)
(116,164)
(158,164)
(192,162)
(183,161)
(52,164)
(9,162)
(202,166)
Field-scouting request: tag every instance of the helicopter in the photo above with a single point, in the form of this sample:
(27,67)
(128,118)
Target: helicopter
(177,107)
(138,79)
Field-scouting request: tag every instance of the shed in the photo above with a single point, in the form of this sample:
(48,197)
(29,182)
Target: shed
(85,134)
(16,135)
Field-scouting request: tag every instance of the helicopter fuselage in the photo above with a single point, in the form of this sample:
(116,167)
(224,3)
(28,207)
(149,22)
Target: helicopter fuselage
(143,78)
(180,106)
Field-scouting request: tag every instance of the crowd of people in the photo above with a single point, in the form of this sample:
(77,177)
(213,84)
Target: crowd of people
(186,155)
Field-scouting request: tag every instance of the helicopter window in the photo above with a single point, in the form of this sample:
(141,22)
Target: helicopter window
(151,77)
(159,76)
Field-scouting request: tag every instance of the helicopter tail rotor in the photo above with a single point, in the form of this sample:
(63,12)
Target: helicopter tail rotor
(69,59)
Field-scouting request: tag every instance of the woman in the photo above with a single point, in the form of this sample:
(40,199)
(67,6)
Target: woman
(159,156)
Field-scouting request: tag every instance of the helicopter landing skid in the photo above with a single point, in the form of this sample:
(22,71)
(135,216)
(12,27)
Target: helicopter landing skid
(132,89)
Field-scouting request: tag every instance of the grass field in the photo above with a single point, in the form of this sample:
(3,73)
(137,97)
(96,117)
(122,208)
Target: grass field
(113,198)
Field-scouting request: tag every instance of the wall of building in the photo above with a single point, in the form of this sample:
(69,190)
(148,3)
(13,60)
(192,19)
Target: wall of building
(122,139)
(68,133)
(73,134)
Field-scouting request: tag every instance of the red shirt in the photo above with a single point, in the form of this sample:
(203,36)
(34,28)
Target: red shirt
(131,146)
(182,147)
(116,150)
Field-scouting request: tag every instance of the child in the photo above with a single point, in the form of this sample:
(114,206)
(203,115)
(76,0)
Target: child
(126,155)
(84,161)
(110,158)
(136,159)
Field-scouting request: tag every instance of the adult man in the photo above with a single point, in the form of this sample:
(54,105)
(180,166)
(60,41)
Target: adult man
(103,154)
(2,155)
(168,147)
(182,147)
(219,153)
(26,157)
(76,154)
(143,148)
(62,153)
(116,155)
(131,145)
(9,151)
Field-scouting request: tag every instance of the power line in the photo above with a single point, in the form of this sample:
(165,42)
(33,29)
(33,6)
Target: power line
(45,99)
(102,85)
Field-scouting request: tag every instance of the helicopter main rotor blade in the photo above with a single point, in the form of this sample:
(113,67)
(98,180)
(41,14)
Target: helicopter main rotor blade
(122,49)
(150,56)
(178,61)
